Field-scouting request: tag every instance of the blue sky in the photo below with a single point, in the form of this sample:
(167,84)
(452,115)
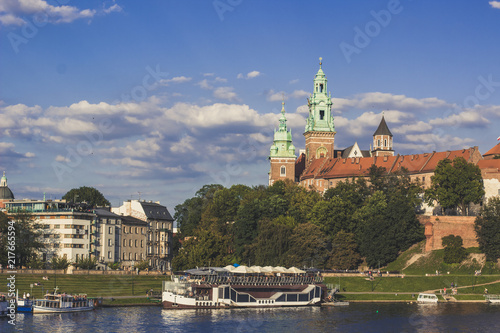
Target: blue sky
(155,99)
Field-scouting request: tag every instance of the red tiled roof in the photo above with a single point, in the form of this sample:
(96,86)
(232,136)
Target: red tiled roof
(356,167)
(489,164)
(493,151)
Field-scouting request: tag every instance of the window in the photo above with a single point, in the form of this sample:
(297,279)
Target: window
(142,243)
(130,256)
(109,255)
(385,142)
(378,143)
(423,179)
(321,115)
(283,171)
(136,230)
(77,257)
(136,243)
(135,256)
(124,242)
(321,87)
(130,243)
(110,230)
(109,242)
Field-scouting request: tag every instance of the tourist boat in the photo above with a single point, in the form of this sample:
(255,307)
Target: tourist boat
(494,299)
(241,286)
(58,303)
(424,298)
(4,305)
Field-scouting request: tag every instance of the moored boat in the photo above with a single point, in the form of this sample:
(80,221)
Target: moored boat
(255,286)
(58,303)
(425,298)
(494,299)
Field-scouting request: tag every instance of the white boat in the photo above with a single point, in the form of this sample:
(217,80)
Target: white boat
(57,303)
(212,288)
(494,299)
(424,298)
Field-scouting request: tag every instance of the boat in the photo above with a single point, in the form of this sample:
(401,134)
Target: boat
(494,299)
(424,298)
(24,304)
(59,303)
(242,286)
(4,306)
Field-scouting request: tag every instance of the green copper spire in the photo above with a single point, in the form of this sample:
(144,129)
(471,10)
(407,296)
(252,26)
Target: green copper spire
(320,105)
(282,144)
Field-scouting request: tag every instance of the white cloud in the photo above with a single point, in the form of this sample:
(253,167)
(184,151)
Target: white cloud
(183,145)
(177,79)
(220,79)
(467,118)
(226,93)
(302,109)
(250,75)
(273,96)
(293,81)
(495,4)
(300,94)
(205,85)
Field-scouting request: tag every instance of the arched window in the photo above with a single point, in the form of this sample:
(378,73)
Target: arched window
(283,171)
(321,87)
(378,143)
(385,143)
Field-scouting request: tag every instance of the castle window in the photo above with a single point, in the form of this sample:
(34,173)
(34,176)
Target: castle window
(378,143)
(385,142)
(321,115)
(321,87)
(283,171)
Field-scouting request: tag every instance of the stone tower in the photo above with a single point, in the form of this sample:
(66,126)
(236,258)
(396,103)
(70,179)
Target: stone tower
(282,153)
(382,140)
(320,130)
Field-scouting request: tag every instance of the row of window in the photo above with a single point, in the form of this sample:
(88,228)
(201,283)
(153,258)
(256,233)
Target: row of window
(130,243)
(133,256)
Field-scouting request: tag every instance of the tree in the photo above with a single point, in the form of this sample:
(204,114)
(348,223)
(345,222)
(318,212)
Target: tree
(89,263)
(59,262)
(86,194)
(455,184)
(344,253)
(487,227)
(22,233)
(454,252)
(308,247)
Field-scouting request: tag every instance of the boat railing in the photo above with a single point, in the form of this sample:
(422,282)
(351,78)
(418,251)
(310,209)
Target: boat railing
(249,280)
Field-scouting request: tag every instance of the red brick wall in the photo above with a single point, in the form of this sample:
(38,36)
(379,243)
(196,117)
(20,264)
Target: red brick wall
(437,227)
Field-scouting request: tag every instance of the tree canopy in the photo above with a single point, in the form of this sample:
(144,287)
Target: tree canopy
(487,227)
(90,195)
(455,184)
(284,224)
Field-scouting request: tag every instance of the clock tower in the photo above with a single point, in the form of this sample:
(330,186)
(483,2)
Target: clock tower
(320,129)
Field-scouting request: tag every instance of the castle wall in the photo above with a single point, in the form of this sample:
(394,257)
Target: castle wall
(437,227)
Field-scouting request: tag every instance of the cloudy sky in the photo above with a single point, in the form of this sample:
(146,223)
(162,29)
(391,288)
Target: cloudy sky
(155,99)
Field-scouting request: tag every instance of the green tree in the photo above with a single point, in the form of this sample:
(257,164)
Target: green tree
(487,226)
(333,215)
(22,233)
(188,215)
(344,253)
(308,247)
(272,242)
(59,262)
(90,263)
(454,252)
(90,195)
(455,184)
(142,265)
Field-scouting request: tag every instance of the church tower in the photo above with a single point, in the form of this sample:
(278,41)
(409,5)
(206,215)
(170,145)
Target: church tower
(282,153)
(382,140)
(320,130)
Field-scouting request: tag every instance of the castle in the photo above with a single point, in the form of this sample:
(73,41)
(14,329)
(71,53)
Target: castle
(321,166)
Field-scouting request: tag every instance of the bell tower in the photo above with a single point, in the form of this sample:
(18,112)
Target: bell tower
(320,129)
(382,140)
(282,152)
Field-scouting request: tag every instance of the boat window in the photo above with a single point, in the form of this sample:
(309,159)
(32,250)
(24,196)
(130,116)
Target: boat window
(282,298)
(303,297)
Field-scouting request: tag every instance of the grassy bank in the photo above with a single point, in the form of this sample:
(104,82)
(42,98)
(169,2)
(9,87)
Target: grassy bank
(92,285)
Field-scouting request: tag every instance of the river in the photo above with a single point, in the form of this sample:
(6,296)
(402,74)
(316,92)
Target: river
(357,317)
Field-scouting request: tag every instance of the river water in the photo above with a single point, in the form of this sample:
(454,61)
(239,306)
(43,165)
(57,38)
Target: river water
(357,317)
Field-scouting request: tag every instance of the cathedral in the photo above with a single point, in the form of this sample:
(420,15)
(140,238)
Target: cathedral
(321,166)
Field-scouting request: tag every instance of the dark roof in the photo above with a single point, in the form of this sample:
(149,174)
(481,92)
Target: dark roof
(6,193)
(156,211)
(130,220)
(103,212)
(382,128)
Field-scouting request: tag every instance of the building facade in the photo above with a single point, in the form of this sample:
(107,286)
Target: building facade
(134,241)
(159,230)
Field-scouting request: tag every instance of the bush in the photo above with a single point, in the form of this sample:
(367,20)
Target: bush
(454,252)
(115,265)
(86,263)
